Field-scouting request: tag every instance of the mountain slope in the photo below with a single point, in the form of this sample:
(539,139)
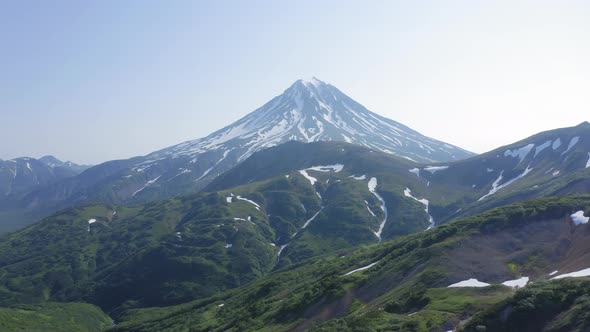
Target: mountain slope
(281,207)
(402,284)
(551,163)
(306,111)
(276,211)
(194,246)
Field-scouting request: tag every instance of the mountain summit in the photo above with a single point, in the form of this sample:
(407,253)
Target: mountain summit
(310,111)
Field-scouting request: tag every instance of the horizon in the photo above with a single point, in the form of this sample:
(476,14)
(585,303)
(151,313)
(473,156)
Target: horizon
(89,83)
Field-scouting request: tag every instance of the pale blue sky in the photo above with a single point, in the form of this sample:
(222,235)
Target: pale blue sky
(92,81)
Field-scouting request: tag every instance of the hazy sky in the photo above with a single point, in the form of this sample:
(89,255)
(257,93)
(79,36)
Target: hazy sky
(92,81)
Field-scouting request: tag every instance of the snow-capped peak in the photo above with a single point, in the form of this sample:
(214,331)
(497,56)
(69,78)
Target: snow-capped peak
(313,83)
(308,111)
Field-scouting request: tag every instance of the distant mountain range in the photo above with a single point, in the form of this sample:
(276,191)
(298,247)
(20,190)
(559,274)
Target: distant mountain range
(21,175)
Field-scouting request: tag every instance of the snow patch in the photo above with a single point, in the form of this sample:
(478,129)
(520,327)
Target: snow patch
(228,245)
(149,183)
(553,273)
(312,218)
(469,283)
(308,222)
(588,162)
(516,283)
(215,165)
(416,171)
(182,171)
(91,221)
(370,211)
(408,193)
(335,168)
(556,144)
(433,169)
(311,179)
(578,218)
(577,274)
(519,153)
(281,251)
(362,177)
(573,142)
(249,201)
(496,187)
(372,186)
(362,268)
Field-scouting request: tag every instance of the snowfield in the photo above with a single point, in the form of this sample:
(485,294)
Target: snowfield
(469,283)
(311,179)
(517,283)
(577,274)
(572,143)
(519,153)
(334,168)
(578,218)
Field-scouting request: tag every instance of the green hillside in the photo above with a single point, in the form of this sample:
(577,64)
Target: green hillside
(54,317)
(405,289)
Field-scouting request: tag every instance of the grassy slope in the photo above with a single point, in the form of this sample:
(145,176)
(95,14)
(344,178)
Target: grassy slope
(175,250)
(54,317)
(407,279)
